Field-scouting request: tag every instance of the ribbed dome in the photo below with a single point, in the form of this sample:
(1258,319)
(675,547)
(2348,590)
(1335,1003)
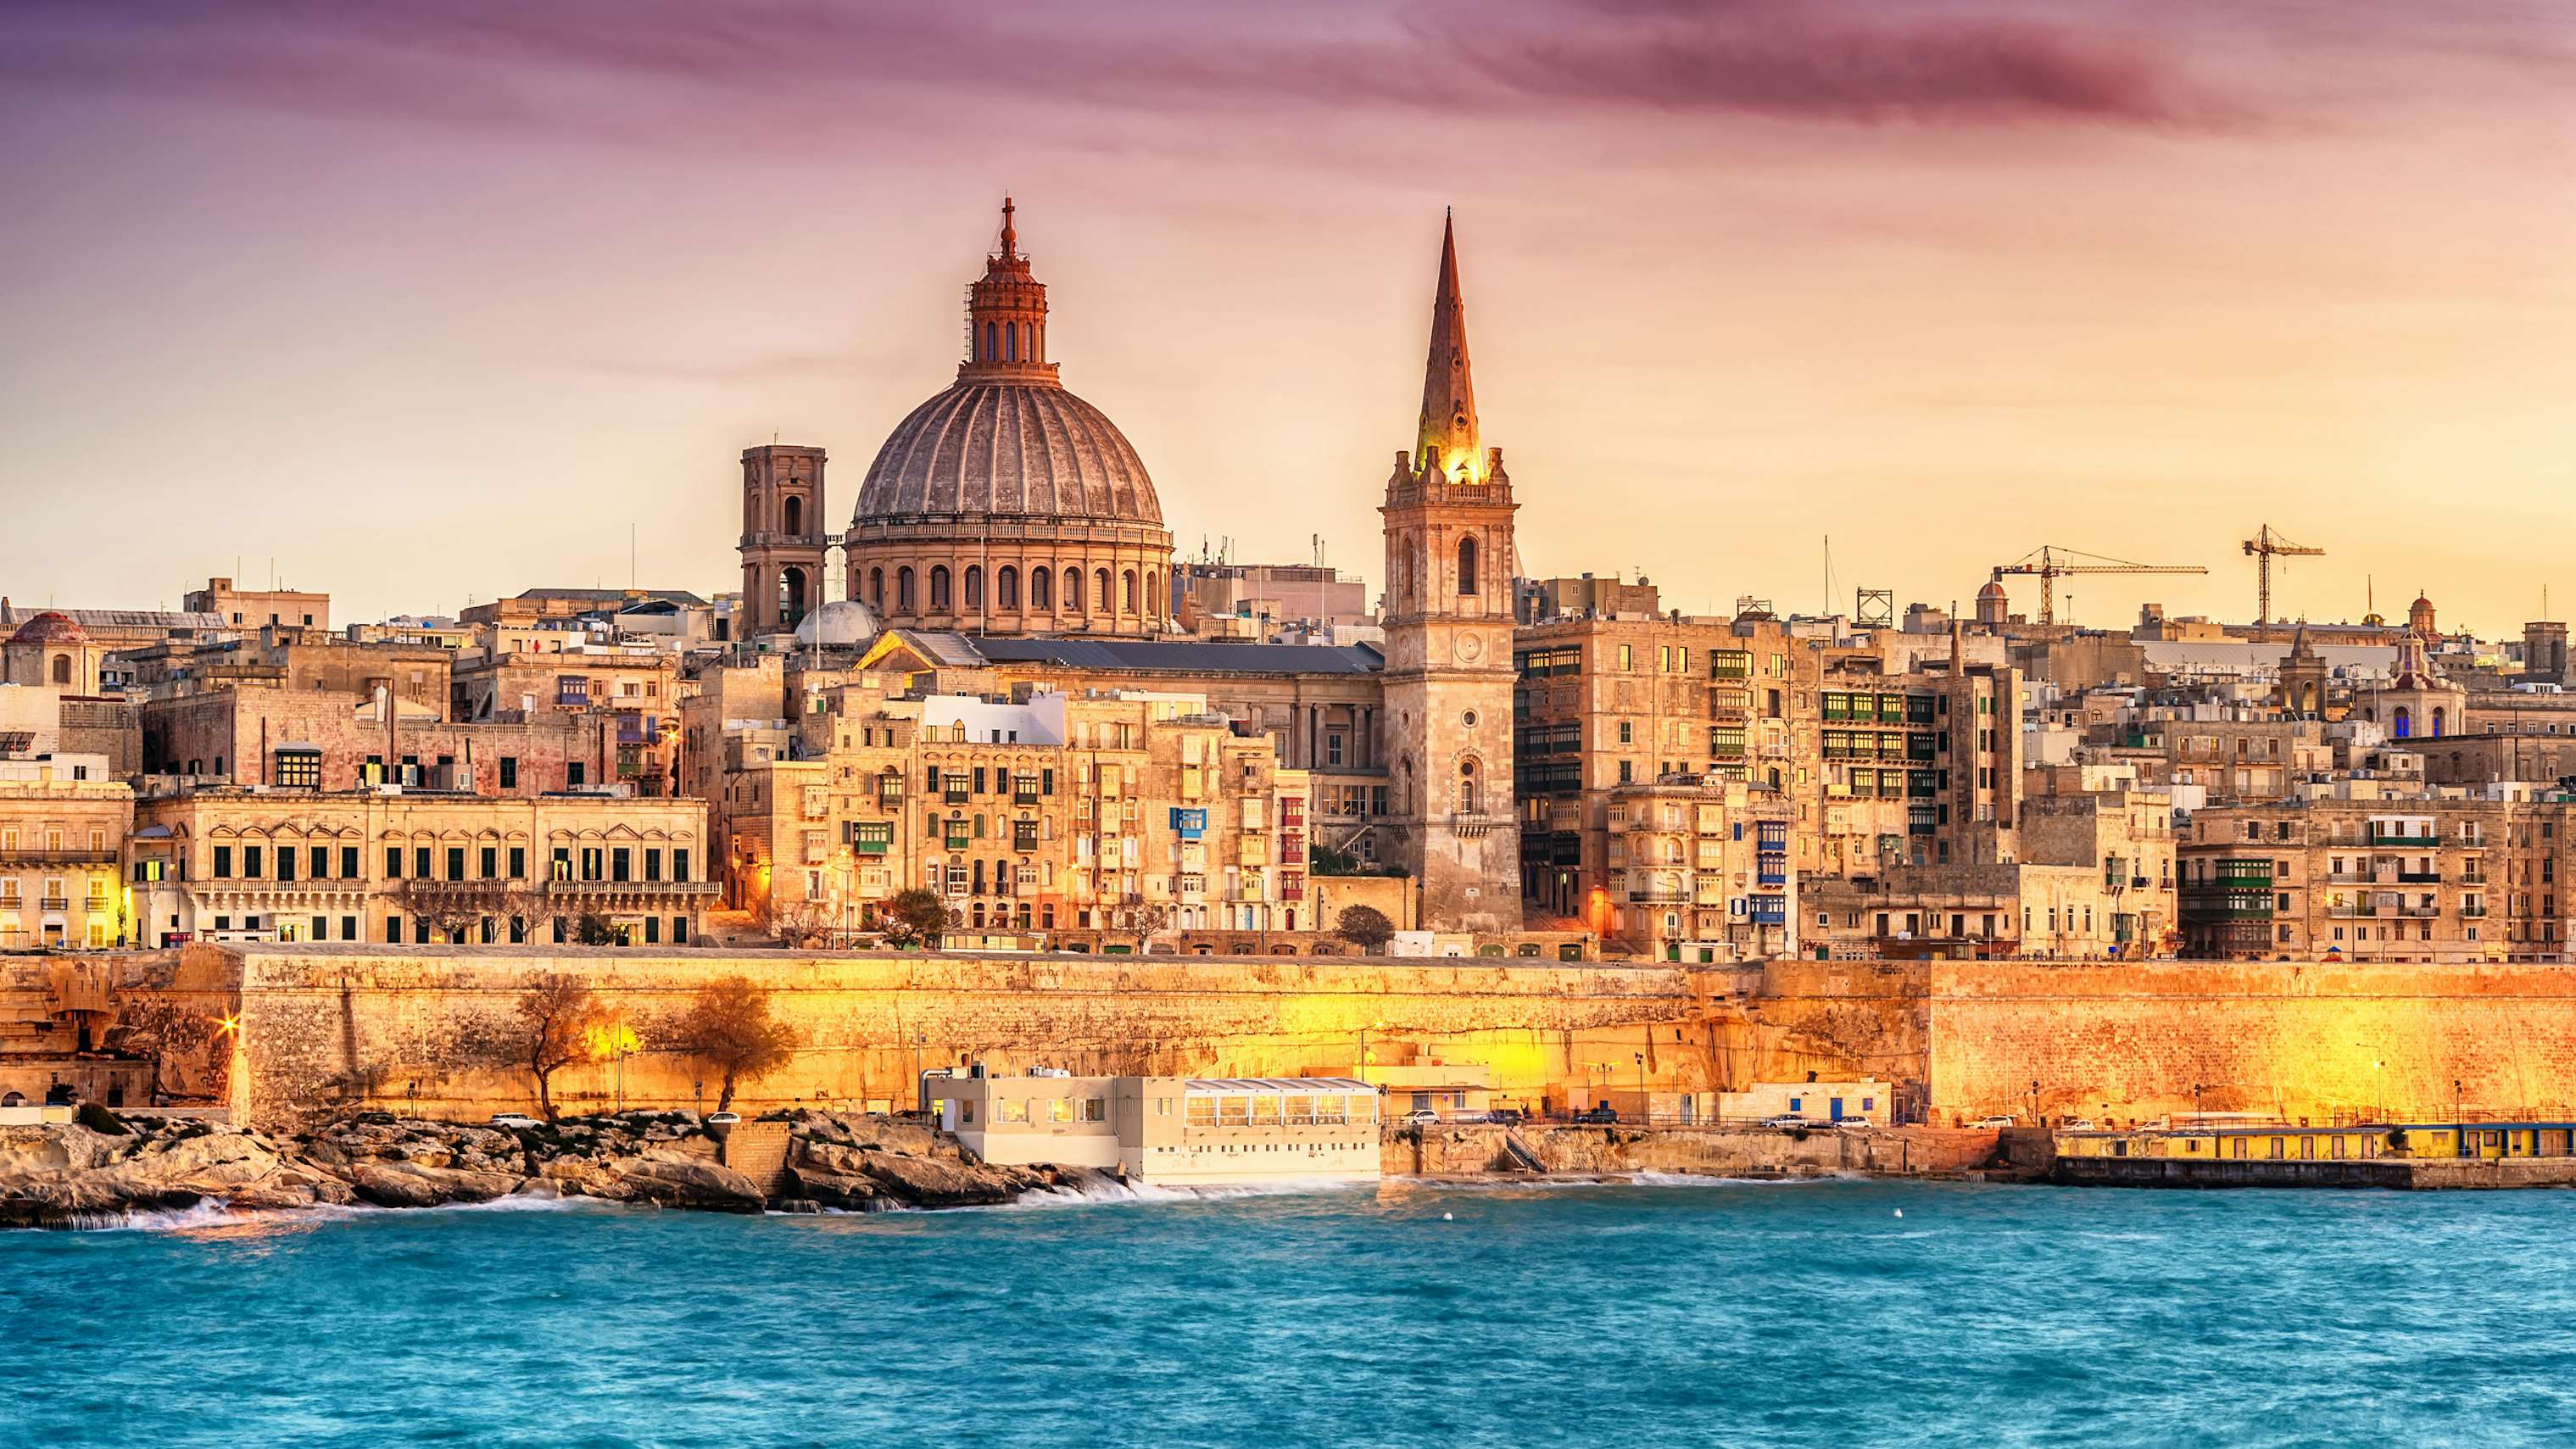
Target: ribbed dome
(1009,447)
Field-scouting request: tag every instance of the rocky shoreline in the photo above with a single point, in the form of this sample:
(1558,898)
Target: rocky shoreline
(69,1175)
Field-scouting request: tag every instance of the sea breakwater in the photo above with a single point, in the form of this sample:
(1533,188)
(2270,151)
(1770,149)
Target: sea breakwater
(73,1175)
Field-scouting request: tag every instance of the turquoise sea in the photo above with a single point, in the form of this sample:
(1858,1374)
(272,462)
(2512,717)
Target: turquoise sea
(1705,1314)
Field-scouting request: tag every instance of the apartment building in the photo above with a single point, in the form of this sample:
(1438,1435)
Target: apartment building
(1878,769)
(1095,821)
(1701,869)
(2362,876)
(394,865)
(254,733)
(63,825)
(250,609)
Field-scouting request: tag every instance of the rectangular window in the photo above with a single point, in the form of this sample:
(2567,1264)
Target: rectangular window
(250,862)
(299,769)
(518,862)
(456,862)
(653,864)
(490,860)
(223,862)
(420,862)
(621,864)
(573,775)
(286,862)
(679,869)
(319,859)
(509,772)
(393,862)
(393,930)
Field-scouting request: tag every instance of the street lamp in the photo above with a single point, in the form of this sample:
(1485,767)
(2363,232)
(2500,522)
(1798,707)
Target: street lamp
(1645,1113)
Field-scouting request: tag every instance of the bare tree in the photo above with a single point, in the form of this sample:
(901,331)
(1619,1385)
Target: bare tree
(1149,920)
(554,1017)
(797,921)
(457,909)
(727,1025)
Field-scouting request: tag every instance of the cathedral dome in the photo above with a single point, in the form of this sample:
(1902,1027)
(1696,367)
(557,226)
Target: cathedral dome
(50,627)
(1009,447)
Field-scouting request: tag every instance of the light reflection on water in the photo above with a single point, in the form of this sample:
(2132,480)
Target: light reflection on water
(1676,1313)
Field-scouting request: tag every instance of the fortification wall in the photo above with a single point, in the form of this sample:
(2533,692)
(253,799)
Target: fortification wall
(2131,1041)
(427,1030)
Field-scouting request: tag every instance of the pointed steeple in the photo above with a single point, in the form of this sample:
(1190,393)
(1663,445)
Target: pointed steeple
(1448,427)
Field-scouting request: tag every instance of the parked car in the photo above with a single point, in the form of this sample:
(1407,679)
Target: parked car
(1506,1116)
(513,1121)
(1788,1119)
(1854,1119)
(723,1119)
(1598,1112)
(1419,1116)
(2076,1124)
(1993,1122)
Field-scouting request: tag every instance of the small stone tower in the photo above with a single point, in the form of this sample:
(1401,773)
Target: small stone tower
(783,539)
(1448,618)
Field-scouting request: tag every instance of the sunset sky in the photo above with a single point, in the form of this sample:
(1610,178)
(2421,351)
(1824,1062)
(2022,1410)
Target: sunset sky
(430,302)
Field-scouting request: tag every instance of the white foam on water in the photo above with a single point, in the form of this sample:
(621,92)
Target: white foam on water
(1092,1189)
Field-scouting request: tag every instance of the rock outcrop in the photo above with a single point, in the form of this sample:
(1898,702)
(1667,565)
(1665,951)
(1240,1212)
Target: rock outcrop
(60,1175)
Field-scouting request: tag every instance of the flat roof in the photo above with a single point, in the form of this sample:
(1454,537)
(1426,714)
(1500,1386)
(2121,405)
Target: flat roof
(1277,1084)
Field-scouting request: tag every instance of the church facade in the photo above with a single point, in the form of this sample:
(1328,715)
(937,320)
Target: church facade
(1008,537)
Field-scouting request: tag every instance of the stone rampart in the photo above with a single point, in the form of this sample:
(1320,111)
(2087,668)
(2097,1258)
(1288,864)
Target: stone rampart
(2294,1040)
(426,1031)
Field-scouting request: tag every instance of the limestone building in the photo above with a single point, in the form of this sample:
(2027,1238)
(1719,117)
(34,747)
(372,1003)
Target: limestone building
(251,609)
(63,824)
(402,866)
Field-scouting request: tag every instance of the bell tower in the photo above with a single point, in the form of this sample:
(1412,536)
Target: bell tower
(1448,619)
(783,541)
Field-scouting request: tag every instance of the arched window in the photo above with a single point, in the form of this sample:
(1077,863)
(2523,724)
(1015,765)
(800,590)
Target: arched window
(1102,599)
(1467,564)
(1467,787)
(1028,342)
(988,342)
(1010,343)
(1127,590)
(62,669)
(876,588)
(1155,604)
(903,589)
(938,587)
(791,517)
(2402,724)
(2437,721)
(1006,587)
(791,595)
(1073,591)
(1042,588)
(974,586)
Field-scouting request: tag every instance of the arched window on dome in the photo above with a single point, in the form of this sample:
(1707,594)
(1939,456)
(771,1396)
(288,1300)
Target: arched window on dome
(974,586)
(938,587)
(903,589)
(1073,591)
(1006,588)
(1102,598)
(876,588)
(988,342)
(1127,584)
(1467,564)
(1042,588)
(1155,603)
(1010,343)
(1028,342)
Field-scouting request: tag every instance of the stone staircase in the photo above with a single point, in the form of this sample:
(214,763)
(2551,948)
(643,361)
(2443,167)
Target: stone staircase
(1518,1156)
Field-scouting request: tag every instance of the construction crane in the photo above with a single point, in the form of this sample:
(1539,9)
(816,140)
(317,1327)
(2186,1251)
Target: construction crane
(2263,546)
(2050,563)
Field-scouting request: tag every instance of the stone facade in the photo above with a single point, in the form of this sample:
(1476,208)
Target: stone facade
(63,827)
(391,865)
(253,609)
(784,536)
(265,735)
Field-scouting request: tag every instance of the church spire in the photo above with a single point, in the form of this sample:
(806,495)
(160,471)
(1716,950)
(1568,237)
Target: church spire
(1006,316)
(1448,427)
